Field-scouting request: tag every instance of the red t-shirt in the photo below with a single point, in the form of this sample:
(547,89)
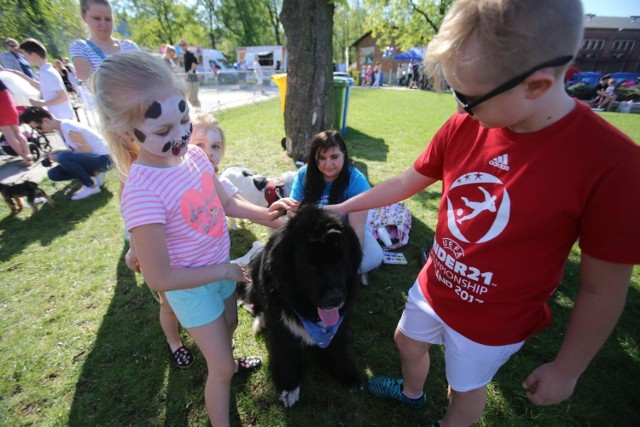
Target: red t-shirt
(513,205)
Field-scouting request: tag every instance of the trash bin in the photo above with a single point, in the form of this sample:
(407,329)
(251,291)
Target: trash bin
(281,81)
(341,88)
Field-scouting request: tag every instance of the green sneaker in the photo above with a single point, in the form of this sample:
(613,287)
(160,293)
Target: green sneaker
(391,388)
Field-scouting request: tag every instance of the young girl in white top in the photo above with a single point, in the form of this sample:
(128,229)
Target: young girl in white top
(175,207)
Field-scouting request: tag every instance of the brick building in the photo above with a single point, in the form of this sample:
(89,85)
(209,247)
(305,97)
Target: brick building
(610,44)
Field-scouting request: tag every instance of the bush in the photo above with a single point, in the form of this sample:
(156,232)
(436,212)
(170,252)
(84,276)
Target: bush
(582,91)
(628,93)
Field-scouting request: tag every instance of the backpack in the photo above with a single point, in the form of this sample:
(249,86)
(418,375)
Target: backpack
(390,225)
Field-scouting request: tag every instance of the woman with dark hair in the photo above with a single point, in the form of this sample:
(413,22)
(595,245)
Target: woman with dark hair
(329,177)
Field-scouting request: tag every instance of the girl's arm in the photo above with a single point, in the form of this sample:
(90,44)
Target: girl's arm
(395,189)
(152,253)
(243,209)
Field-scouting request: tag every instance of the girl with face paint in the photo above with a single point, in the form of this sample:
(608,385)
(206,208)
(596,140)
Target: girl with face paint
(175,209)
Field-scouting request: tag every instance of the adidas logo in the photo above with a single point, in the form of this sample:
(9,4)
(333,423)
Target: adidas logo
(501,162)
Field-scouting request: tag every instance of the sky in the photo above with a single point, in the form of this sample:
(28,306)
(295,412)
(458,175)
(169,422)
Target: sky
(612,7)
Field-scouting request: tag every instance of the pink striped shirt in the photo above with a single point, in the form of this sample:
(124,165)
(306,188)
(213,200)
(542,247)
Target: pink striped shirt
(184,199)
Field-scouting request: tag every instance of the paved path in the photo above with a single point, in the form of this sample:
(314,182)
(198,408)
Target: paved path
(12,169)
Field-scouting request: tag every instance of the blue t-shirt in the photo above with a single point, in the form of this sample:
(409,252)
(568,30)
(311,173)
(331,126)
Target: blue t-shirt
(357,184)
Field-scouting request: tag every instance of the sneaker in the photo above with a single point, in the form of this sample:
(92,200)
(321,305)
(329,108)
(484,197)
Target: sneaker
(99,179)
(85,192)
(39,200)
(391,388)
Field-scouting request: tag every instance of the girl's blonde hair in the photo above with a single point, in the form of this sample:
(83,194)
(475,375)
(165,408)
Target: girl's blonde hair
(206,121)
(125,85)
(512,35)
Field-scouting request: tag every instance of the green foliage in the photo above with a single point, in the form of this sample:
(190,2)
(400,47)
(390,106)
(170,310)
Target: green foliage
(56,23)
(409,22)
(628,93)
(582,91)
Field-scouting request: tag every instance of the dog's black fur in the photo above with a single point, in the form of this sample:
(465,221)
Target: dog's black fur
(309,264)
(13,193)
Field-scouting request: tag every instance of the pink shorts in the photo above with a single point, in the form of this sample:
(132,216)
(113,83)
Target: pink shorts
(8,112)
(469,365)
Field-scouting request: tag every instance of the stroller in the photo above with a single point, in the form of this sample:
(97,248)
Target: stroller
(38,142)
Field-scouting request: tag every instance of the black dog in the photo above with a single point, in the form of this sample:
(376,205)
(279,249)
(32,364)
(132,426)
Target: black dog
(13,193)
(302,288)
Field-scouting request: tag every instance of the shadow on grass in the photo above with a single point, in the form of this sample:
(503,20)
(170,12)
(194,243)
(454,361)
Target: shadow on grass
(365,146)
(127,377)
(123,377)
(607,392)
(49,223)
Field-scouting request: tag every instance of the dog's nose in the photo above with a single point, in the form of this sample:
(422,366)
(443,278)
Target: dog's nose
(332,298)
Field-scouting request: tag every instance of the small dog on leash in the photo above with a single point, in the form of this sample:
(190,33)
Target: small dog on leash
(13,193)
(258,189)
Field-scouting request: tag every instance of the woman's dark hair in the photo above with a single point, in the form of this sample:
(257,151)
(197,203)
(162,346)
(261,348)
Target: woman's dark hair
(314,181)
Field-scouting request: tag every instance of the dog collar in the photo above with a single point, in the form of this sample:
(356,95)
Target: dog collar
(320,334)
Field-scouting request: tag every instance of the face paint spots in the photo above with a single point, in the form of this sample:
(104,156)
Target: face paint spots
(140,135)
(182,106)
(154,111)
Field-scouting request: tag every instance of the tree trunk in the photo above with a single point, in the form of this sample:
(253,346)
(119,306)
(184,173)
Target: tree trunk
(308,25)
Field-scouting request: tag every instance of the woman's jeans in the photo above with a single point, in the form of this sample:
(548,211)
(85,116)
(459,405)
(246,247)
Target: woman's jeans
(80,166)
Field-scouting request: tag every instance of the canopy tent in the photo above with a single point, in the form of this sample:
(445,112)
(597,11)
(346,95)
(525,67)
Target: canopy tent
(416,53)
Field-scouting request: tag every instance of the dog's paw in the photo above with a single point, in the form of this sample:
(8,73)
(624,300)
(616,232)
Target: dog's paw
(289,398)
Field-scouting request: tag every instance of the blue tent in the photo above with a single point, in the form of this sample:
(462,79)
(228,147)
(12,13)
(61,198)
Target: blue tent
(414,54)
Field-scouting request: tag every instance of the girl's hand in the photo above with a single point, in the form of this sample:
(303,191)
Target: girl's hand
(282,207)
(131,260)
(335,209)
(237,273)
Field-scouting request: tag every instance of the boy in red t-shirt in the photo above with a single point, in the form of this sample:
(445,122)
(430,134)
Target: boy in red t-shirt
(526,171)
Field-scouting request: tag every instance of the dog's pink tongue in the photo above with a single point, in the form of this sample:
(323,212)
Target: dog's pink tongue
(329,317)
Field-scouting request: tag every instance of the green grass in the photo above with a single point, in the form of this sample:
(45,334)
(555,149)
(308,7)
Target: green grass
(81,343)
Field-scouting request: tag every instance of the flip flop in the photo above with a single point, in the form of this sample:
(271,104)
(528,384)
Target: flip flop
(182,357)
(247,364)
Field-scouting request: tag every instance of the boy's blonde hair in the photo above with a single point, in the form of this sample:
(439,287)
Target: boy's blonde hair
(125,85)
(513,35)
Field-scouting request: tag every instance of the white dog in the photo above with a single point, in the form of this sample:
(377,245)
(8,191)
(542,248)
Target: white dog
(258,189)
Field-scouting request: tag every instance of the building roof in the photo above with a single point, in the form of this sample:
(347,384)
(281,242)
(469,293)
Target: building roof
(612,22)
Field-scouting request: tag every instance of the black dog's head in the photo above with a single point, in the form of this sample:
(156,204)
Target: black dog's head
(315,261)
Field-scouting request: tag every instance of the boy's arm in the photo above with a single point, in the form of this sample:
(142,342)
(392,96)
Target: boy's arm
(598,306)
(394,189)
(61,96)
(78,139)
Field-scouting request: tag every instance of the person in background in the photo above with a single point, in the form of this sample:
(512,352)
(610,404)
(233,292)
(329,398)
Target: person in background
(509,212)
(169,57)
(257,72)
(183,252)
(87,157)
(12,59)
(87,55)
(10,126)
(190,65)
(51,86)
(64,73)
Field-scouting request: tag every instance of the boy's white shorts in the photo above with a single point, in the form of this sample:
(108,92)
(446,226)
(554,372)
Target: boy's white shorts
(469,365)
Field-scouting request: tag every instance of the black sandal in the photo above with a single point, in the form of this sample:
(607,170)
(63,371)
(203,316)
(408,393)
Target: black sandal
(182,357)
(247,364)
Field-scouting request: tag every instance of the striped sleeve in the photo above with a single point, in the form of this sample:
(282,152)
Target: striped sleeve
(141,207)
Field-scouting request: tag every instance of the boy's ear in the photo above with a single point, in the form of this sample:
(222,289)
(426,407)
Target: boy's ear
(538,84)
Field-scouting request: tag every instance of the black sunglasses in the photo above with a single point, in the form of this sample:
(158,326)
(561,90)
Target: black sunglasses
(463,100)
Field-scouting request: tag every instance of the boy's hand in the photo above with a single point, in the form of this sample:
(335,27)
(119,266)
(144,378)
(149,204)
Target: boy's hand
(335,209)
(548,385)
